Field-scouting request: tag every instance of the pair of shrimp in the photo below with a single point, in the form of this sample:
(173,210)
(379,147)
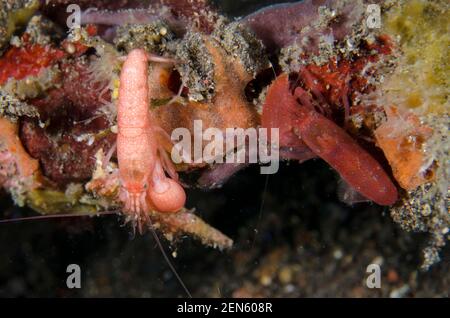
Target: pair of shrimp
(142,163)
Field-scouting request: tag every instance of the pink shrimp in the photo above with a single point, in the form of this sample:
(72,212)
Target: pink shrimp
(144,184)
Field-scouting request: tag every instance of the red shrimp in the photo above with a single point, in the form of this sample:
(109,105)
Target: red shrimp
(328,141)
(144,184)
(355,165)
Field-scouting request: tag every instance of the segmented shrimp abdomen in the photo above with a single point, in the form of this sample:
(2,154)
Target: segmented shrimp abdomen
(136,153)
(133,106)
(136,144)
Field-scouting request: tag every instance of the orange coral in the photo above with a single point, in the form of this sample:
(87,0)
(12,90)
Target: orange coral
(402,138)
(11,144)
(228,108)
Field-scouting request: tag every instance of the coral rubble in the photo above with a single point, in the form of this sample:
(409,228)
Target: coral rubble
(384,88)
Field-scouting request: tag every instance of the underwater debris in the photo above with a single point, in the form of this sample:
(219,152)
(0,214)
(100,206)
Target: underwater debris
(240,42)
(186,222)
(13,14)
(197,68)
(40,30)
(153,37)
(13,108)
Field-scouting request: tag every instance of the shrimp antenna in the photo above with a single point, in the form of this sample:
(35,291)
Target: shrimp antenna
(273,69)
(166,257)
(56,216)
